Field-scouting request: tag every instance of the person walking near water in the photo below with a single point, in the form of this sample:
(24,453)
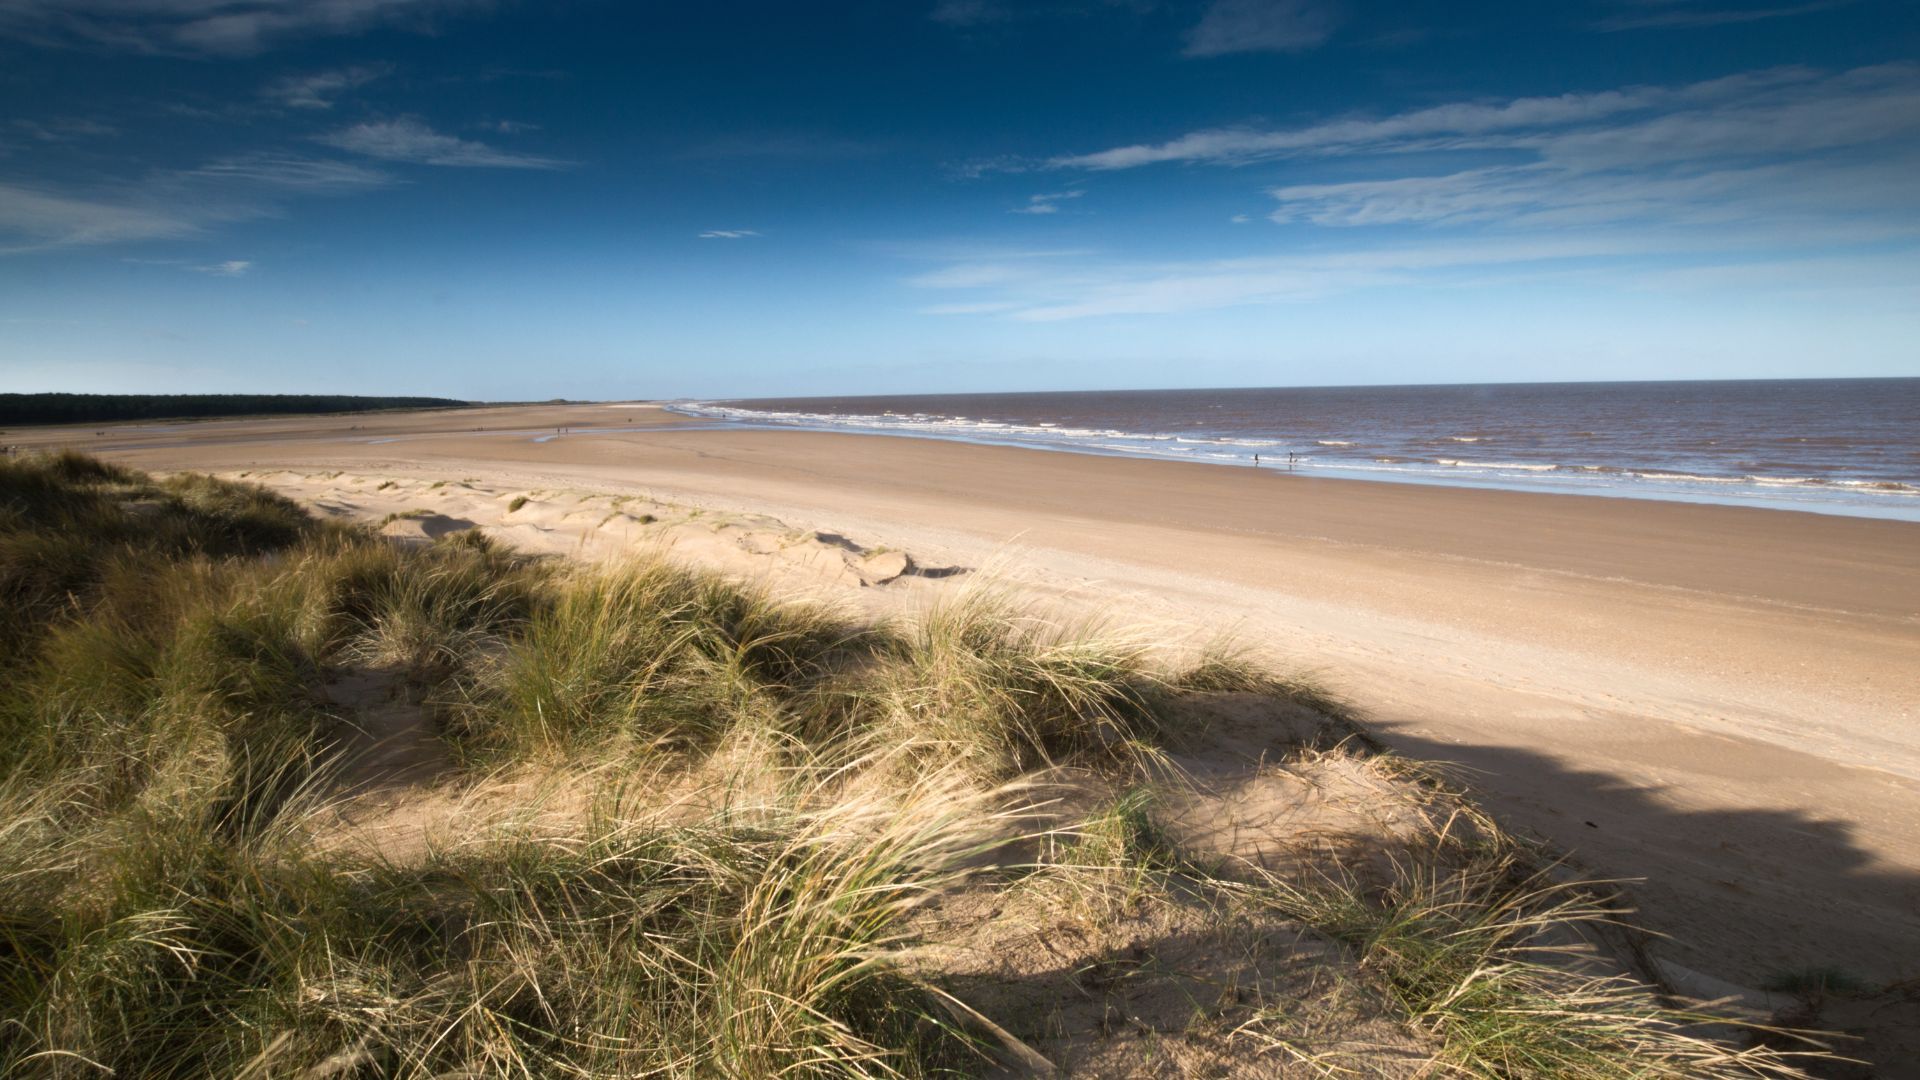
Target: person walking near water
(1256,461)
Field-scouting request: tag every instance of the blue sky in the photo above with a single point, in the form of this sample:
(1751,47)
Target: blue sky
(514,200)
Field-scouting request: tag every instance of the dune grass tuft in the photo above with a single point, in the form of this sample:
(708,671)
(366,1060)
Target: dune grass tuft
(738,944)
(1487,954)
(1000,687)
(66,519)
(650,654)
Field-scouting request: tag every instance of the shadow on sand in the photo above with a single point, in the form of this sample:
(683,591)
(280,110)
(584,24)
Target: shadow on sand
(1751,896)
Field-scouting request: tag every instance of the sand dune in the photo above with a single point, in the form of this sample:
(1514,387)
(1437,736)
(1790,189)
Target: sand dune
(1718,700)
(589,525)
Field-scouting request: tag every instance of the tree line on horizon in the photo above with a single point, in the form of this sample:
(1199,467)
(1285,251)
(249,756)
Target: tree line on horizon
(95,408)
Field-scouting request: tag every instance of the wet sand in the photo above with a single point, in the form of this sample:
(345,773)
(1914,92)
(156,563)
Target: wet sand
(1723,701)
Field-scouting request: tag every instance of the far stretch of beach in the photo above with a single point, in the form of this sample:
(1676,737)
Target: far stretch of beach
(1723,701)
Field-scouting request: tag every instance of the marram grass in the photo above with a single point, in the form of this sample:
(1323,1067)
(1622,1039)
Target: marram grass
(736,944)
(171,743)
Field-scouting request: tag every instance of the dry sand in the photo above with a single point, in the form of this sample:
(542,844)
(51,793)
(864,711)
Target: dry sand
(1722,701)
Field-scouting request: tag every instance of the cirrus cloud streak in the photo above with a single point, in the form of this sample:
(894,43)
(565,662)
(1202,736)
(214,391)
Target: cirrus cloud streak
(204,27)
(410,140)
(170,204)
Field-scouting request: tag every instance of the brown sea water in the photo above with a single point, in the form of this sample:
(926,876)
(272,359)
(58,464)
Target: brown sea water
(1847,446)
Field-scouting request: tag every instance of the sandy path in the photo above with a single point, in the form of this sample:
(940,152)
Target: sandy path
(1721,700)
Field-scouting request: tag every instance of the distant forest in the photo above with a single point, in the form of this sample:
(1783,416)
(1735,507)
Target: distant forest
(18,409)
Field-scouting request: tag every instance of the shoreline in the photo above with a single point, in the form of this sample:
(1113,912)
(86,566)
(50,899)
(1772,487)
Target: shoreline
(1715,699)
(1843,498)
(1354,474)
(140,436)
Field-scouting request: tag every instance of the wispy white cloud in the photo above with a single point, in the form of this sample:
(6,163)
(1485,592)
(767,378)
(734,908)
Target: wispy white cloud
(1851,275)
(1076,286)
(169,204)
(1242,26)
(228,268)
(410,140)
(1470,124)
(971,14)
(982,307)
(1048,203)
(320,89)
(1749,153)
(1118,287)
(787,145)
(1668,14)
(1225,26)
(728,234)
(1090,286)
(64,129)
(968,12)
(975,168)
(1781,166)
(203,27)
(972,274)
(33,219)
(1549,196)
(271,175)
(1820,150)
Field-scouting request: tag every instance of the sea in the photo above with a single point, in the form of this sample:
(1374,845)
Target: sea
(1836,446)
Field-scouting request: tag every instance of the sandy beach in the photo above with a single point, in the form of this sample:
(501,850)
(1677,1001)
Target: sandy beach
(1720,701)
